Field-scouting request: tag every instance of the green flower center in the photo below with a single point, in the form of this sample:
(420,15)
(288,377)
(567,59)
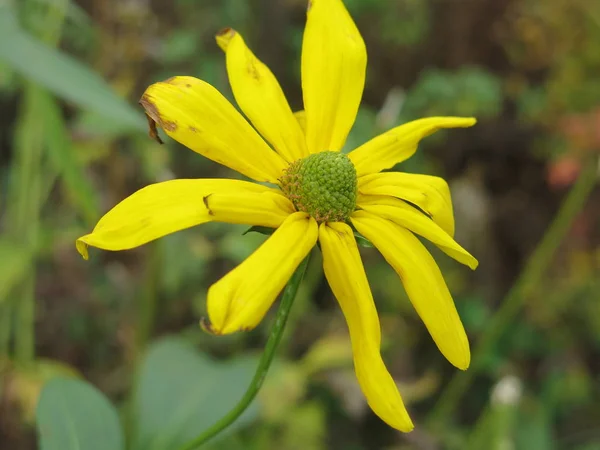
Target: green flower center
(323,184)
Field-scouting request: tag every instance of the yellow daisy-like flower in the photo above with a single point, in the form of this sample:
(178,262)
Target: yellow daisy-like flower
(319,193)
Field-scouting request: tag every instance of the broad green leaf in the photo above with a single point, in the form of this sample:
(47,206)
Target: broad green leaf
(74,415)
(181,392)
(61,74)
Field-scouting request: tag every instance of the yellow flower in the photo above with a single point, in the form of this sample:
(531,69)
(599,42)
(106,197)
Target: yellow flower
(318,194)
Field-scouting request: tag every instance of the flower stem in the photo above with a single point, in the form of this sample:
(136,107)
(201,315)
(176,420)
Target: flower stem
(525,285)
(287,299)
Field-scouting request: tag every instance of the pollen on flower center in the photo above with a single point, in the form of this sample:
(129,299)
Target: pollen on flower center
(323,184)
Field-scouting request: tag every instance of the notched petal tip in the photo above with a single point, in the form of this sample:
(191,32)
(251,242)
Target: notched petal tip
(152,131)
(82,248)
(154,117)
(224,37)
(207,327)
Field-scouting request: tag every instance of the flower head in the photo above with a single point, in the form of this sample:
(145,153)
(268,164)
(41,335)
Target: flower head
(320,194)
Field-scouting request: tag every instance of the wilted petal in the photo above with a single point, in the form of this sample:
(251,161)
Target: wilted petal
(195,114)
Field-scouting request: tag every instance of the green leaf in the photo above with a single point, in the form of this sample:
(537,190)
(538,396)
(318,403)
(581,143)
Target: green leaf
(535,428)
(61,74)
(74,415)
(267,231)
(362,241)
(62,156)
(181,392)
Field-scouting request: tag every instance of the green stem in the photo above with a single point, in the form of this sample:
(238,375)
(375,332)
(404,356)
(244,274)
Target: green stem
(24,223)
(148,299)
(5,331)
(525,285)
(263,366)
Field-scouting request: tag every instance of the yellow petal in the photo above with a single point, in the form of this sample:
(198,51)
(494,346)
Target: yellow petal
(163,208)
(409,217)
(195,114)
(334,61)
(240,299)
(259,95)
(423,282)
(430,194)
(400,143)
(301,118)
(346,276)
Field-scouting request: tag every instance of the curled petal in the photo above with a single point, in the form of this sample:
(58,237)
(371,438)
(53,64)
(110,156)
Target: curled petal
(240,299)
(164,208)
(195,114)
(346,276)
(428,193)
(400,143)
(259,95)
(423,282)
(409,217)
(334,61)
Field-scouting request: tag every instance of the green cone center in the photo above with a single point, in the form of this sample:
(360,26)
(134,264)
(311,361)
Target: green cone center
(323,184)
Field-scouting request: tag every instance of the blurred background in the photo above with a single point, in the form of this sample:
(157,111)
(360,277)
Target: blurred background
(73,143)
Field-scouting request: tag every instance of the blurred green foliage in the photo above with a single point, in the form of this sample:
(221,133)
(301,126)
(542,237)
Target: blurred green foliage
(73,144)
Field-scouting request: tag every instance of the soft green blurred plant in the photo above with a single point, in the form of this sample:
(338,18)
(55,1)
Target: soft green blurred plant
(70,123)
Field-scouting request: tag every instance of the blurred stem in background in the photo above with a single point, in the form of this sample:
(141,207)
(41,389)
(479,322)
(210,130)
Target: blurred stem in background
(24,215)
(147,301)
(31,177)
(528,281)
(287,299)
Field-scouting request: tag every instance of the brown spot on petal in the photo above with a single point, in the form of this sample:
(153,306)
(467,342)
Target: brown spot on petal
(152,131)
(251,68)
(207,327)
(205,200)
(193,129)
(227,31)
(224,37)
(154,118)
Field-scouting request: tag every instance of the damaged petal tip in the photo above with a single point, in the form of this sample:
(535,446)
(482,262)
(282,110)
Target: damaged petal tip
(152,131)
(207,327)
(154,118)
(224,36)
